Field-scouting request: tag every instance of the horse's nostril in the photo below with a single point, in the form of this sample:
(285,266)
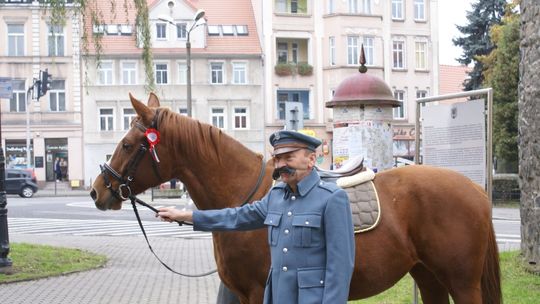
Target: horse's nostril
(93,194)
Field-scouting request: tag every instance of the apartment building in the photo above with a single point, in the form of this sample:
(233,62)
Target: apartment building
(52,125)
(310,46)
(226,77)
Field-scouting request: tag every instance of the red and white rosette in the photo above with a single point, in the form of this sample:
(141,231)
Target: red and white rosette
(152,135)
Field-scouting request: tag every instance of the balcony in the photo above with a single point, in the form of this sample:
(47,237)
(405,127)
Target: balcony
(291,68)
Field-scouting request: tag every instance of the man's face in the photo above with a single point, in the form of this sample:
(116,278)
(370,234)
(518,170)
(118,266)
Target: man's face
(302,160)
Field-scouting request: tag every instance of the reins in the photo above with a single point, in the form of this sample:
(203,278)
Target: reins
(125,181)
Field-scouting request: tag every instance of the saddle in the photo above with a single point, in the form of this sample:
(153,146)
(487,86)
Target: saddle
(357,181)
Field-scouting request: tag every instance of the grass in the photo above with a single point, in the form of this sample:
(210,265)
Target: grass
(519,286)
(37,261)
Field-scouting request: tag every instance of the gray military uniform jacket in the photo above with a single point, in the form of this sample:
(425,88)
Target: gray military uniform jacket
(311,239)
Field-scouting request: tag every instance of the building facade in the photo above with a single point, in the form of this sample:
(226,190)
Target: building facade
(52,125)
(311,46)
(226,78)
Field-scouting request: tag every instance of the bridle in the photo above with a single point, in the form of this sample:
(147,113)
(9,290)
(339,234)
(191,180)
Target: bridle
(128,176)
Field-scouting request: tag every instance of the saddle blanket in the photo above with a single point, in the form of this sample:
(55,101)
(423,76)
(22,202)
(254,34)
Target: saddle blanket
(365,206)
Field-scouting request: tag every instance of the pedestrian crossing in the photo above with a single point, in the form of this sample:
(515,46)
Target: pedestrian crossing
(77,227)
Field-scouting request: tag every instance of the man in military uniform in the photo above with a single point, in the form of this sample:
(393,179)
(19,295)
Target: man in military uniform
(310,230)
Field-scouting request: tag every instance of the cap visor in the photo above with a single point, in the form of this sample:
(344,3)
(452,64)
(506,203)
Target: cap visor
(283,150)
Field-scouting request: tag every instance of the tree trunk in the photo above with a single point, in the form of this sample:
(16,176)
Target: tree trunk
(529,133)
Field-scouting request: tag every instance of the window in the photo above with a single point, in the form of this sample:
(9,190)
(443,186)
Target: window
(398,55)
(217,72)
(331,6)
(281,6)
(366,7)
(15,39)
(240,118)
(352,50)
(182,73)
(105,73)
(161,73)
(17,103)
(239,73)
(397,9)
(129,72)
(227,30)
(284,96)
(421,55)
(294,6)
(183,111)
(218,117)
(213,30)
(421,94)
(127,116)
(57,96)
(56,40)
(282,52)
(368,50)
(161,31)
(181,31)
(294,52)
(106,119)
(419,10)
(400,111)
(332,45)
(241,30)
(353,7)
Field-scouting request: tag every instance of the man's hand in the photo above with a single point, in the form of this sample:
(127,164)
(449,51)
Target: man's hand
(170,214)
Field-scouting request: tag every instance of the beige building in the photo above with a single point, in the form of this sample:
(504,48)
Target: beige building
(311,46)
(52,125)
(226,64)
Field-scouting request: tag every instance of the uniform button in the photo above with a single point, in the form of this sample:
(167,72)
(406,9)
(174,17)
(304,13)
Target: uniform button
(322,282)
(321,183)
(284,268)
(285,250)
(286,231)
(307,222)
(271,221)
(289,213)
(293,197)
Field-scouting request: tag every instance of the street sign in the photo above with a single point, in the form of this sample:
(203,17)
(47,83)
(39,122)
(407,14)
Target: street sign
(6,88)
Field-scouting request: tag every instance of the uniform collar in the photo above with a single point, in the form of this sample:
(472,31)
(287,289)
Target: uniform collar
(306,184)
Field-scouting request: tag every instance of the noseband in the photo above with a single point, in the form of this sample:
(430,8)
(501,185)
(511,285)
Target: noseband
(124,190)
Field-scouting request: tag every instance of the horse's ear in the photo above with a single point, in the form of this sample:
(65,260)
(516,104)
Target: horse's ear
(153,100)
(142,110)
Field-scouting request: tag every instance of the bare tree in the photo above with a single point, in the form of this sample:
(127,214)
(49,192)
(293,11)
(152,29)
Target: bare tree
(529,132)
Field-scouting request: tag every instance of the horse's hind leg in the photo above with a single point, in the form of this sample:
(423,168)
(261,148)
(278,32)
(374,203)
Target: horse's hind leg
(431,290)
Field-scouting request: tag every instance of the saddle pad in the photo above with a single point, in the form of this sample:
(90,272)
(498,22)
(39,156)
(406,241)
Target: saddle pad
(365,207)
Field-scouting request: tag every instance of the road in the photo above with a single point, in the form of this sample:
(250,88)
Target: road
(77,215)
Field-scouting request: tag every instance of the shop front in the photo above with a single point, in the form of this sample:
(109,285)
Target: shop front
(16,153)
(56,156)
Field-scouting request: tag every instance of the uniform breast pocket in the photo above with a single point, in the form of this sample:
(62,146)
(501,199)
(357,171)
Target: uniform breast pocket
(272,221)
(307,230)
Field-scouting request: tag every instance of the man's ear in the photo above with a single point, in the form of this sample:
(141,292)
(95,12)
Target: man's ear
(312,159)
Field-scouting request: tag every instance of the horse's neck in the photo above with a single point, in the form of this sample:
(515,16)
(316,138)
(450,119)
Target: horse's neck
(225,180)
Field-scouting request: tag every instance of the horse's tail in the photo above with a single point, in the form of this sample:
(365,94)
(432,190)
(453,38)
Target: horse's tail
(491,274)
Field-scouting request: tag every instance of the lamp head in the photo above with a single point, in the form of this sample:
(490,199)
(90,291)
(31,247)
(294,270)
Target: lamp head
(198,15)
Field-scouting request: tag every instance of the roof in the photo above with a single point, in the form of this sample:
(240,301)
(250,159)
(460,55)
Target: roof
(451,78)
(230,12)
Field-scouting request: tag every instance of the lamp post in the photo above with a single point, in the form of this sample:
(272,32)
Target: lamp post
(5,261)
(198,15)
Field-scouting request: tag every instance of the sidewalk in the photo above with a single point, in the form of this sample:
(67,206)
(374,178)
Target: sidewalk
(131,276)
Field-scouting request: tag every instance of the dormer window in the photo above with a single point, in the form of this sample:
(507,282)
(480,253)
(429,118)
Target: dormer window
(213,30)
(161,31)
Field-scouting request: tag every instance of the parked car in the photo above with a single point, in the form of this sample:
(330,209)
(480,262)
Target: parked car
(21,182)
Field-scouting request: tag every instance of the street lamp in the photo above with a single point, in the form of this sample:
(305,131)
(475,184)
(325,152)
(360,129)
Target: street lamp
(198,15)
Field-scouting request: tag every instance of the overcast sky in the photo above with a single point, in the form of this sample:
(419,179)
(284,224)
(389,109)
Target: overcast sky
(451,12)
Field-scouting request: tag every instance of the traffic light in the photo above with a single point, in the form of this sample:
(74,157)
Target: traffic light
(44,82)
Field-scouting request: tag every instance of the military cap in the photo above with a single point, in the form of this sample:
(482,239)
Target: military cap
(287,141)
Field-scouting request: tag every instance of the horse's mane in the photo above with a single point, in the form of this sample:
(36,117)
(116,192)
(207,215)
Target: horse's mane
(195,137)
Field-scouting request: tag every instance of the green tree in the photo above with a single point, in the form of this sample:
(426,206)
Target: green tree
(475,40)
(501,72)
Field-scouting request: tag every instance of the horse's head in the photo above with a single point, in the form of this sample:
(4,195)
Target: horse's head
(134,166)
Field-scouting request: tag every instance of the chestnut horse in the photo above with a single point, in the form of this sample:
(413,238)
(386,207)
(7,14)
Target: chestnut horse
(436,224)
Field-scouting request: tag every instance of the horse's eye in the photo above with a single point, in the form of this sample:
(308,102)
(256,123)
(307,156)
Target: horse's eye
(126,146)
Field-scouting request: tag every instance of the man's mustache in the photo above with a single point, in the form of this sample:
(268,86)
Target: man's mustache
(285,169)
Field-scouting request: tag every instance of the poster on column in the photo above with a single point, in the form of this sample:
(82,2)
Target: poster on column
(454,137)
(347,144)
